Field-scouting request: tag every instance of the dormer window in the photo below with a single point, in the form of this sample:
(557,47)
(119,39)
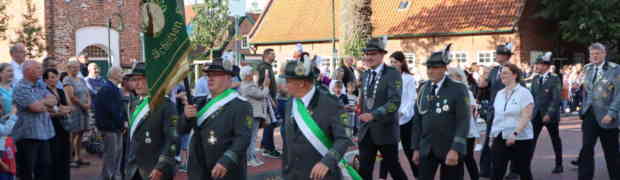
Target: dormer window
(404,5)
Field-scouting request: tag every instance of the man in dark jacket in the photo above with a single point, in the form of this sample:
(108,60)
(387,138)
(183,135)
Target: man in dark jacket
(152,134)
(303,159)
(441,122)
(221,129)
(110,119)
(546,89)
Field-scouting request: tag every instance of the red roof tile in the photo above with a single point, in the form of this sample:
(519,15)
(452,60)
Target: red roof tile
(299,20)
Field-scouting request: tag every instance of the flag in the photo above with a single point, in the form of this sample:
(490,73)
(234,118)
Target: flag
(166,45)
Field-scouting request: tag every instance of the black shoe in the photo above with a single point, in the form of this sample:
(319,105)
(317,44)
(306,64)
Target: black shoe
(271,153)
(512,175)
(574,163)
(558,169)
(74,164)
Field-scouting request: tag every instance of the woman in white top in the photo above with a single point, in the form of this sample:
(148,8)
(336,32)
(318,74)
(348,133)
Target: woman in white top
(458,75)
(511,132)
(405,111)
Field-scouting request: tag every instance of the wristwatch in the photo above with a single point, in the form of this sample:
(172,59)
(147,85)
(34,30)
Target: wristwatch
(515,133)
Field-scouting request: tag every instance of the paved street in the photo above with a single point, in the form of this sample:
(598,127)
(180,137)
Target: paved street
(541,167)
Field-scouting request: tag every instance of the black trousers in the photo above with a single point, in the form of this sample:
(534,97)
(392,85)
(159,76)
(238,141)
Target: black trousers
(429,164)
(470,161)
(405,139)
(521,153)
(60,147)
(33,159)
(486,157)
(554,133)
(609,140)
(368,152)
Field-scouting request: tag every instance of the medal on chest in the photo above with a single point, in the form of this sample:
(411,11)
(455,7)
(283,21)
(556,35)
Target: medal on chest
(148,140)
(212,139)
(370,100)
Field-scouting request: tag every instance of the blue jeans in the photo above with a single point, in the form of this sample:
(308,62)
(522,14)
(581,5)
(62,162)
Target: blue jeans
(267,141)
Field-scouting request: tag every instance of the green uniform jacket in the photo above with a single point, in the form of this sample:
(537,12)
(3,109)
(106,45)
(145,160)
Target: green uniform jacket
(222,138)
(155,142)
(299,155)
(443,125)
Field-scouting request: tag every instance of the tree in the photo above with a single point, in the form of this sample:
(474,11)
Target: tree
(355,28)
(31,33)
(4,19)
(585,21)
(211,26)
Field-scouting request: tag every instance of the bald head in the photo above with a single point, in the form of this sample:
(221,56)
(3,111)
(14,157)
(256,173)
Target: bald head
(18,53)
(32,70)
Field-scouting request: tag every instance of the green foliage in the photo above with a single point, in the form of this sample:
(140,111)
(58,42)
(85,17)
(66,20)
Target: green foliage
(585,21)
(4,19)
(31,33)
(210,27)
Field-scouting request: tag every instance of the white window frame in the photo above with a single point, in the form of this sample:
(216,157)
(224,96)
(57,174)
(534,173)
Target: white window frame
(492,60)
(400,5)
(244,43)
(462,61)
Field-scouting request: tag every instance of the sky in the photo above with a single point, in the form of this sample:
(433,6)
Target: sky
(249,3)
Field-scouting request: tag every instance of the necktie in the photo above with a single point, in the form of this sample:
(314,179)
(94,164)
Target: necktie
(499,72)
(596,74)
(371,82)
(431,94)
(541,80)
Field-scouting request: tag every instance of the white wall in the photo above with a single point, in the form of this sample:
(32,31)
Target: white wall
(93,35)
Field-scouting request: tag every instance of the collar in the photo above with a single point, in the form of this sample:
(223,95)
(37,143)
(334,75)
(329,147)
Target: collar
(440,82)
(378,69)
(600,66)
(15,64)
(308,97)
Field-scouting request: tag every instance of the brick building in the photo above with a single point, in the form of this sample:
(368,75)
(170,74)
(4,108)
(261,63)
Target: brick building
(76,27)
(417,27)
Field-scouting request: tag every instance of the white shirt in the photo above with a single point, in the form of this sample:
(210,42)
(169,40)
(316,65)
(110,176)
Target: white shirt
(438,84)
(508,113)
(473,126)
(408,99)
(202,87)
(378,69)
(17,72)
(308,97)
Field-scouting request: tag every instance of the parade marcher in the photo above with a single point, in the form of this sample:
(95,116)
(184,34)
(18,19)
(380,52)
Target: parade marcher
(546,88)
(315,142)
(511,134)
(405,111)
(458,75)
(380,100)
(601,106)
(152,134)
(222,128)
(441,122)
(493,83)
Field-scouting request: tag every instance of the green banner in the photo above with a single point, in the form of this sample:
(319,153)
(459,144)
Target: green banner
(165,43)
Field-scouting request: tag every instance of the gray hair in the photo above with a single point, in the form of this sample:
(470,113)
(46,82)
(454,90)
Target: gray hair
(115,69)
(246,71)
(598,46)
(459,72)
